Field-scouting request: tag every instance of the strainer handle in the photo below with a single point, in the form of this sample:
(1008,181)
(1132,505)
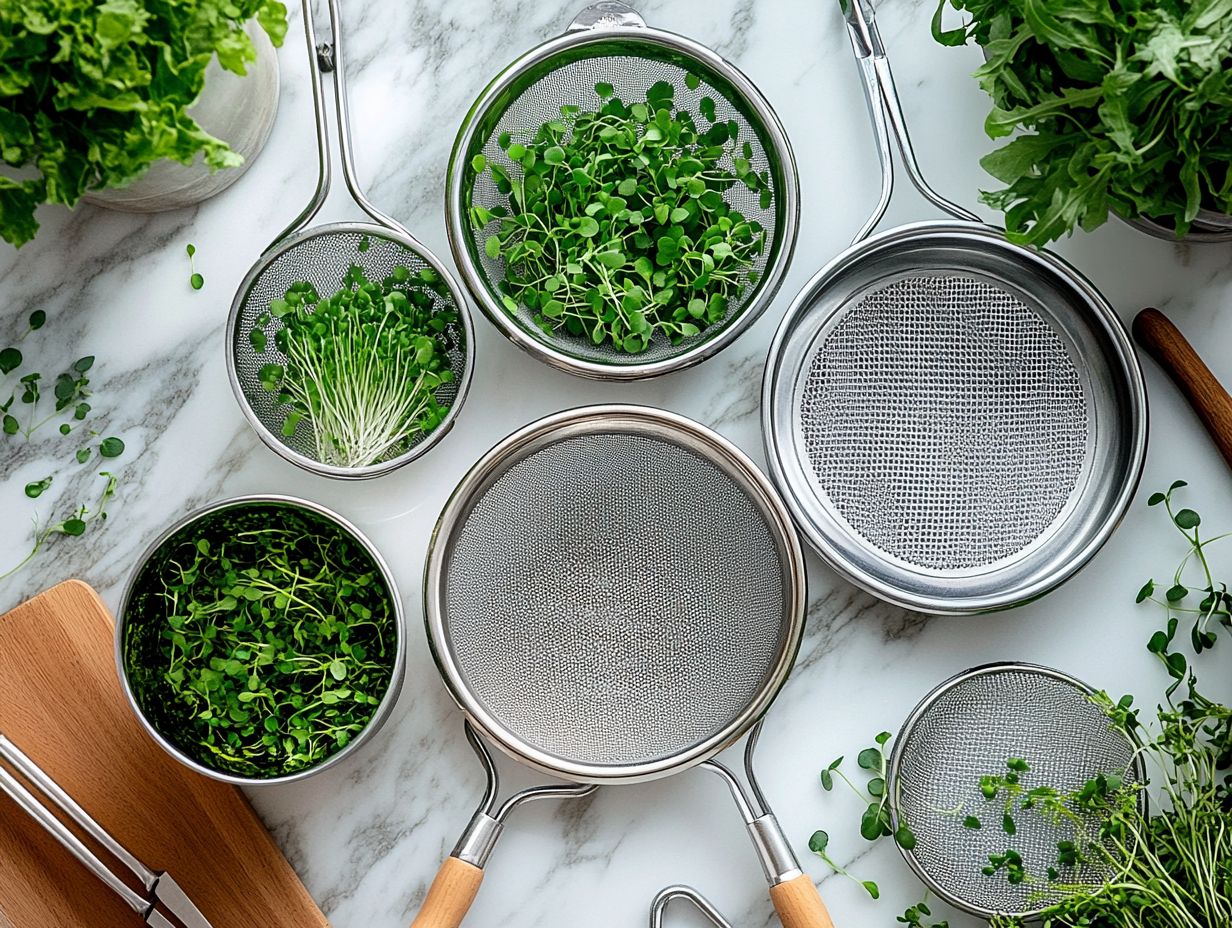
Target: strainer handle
(450,895)
(877,80)
(328,58)
(1164,342)
(799,904)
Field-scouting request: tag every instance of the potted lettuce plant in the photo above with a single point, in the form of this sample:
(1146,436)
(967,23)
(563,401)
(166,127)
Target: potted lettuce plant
(136,104)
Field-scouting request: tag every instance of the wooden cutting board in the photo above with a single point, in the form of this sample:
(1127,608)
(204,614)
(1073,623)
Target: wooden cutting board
(61,703)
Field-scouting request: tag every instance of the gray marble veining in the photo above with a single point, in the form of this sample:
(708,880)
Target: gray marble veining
(367,838)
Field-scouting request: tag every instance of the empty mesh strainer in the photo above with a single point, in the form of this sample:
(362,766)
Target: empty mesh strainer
(969,727)
(323,255)
(614,594)
(956,422)
(609,42)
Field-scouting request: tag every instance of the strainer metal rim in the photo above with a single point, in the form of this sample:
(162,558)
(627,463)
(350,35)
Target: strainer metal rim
(896,758)
(776,391)
(586,420)
(272,441)
(397,673)
(458,230)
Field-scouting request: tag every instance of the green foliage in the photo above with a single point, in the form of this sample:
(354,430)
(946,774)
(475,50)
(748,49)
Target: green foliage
(68,398)
(616,229)
(362,367)
(73,526)
(1170,866)
(260,641)
(92,93)
(876,821)
(1124,106)
(195,280)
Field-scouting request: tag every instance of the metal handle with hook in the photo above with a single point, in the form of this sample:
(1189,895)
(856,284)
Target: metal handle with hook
(886,110)
(327,58)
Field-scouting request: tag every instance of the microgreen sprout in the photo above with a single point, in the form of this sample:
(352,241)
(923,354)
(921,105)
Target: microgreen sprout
(195,280)
(260,642)
(73,526)
(362,367)
(617,227)
(876,822)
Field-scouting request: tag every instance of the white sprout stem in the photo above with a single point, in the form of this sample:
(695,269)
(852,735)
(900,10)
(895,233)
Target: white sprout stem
(365,407)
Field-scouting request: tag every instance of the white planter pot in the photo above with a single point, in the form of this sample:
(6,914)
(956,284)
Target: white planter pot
(239,110)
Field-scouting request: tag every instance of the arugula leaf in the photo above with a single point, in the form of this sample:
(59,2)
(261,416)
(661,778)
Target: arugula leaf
(1114,107)
(92,94)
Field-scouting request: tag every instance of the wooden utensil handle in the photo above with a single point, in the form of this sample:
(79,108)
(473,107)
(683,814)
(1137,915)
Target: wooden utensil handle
(450,895)
(799,905)
(1165,343)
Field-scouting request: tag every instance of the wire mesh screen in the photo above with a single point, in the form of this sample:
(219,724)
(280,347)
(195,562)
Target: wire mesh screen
(615,598)
(971,730)
(323,258)
(571,81)
(945,420)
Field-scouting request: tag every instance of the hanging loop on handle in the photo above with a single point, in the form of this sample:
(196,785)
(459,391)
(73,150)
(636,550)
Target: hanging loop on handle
(671,893)
(326,58)
(885,107)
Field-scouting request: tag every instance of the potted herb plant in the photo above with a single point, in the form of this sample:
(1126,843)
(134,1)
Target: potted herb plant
(1119,108)
(135,104)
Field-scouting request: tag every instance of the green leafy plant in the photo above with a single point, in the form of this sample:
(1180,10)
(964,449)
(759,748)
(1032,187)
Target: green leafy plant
(876,821)
(617,229)
(363,366)
(92,93)
(68,401)
(260,642)
(74,526)
(1123,106)
(1166,864)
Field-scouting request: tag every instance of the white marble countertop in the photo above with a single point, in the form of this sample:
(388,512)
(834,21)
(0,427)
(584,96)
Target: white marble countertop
(367,839)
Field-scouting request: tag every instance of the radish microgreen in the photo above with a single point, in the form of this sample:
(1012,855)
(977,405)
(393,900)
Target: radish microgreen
(617,225)
(362,367)
(195,280)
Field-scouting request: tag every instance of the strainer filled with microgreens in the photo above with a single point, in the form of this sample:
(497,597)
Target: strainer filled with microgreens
(349,344)
(622,202)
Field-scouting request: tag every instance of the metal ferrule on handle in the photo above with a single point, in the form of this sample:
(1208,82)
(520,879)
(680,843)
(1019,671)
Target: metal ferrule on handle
(457,882)
(794,896)
(885,108)
(26,800)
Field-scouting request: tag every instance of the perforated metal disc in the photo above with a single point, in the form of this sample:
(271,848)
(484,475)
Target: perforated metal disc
(957,423)
(322,256)
(614,593)
(969,727)
(531,91)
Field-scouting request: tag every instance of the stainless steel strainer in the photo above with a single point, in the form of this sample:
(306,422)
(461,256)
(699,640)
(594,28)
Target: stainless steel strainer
(615,594)
(323,255)
(969,727)
(957,422)
(609,42)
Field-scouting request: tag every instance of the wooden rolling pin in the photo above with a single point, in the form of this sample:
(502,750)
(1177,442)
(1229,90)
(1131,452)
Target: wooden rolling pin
(1164,342)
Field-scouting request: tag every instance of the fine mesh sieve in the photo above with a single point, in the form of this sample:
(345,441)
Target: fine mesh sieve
(956,422)
(323,255)
(615,594)
(969,727)
(609,42)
